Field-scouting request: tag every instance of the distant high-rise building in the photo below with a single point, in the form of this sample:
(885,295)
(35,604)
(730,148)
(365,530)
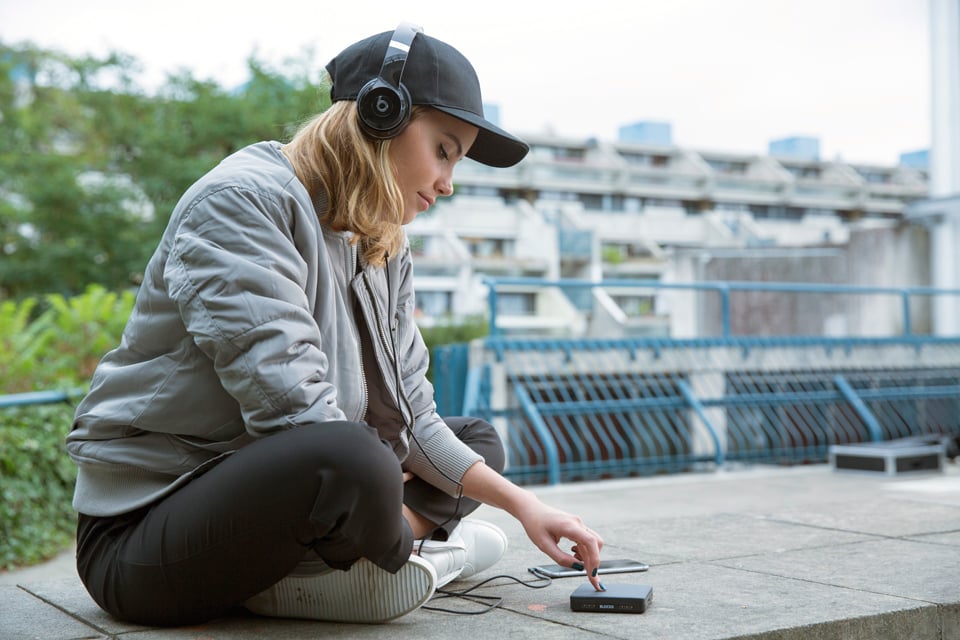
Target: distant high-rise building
(647,132)
(916,159)
(492,112)
(800,147)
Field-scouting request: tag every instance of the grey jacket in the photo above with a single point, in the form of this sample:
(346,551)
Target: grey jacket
(244,326)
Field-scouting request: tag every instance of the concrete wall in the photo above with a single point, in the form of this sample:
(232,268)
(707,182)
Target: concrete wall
(893,256)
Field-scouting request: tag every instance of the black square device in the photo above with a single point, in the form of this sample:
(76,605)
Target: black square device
(618,598)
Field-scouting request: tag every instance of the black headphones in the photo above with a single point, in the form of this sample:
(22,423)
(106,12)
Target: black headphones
(383,104)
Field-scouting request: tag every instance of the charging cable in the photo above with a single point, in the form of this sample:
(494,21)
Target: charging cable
(488,602)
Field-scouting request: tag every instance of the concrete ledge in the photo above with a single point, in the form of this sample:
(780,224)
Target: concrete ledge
(785,554)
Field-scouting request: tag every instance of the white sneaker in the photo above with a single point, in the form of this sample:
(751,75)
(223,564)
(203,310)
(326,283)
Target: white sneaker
(475,545)
(446,556)
(485,543)
(364,593)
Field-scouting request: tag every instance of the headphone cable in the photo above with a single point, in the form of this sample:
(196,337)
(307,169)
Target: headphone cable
(395,339)
(488,602)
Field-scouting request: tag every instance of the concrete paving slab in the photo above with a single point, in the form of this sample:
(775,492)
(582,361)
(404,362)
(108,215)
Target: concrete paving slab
(943,489)
(70,596)
(722,535)
(927,573)
(951,538)
(26,617)
(885,515)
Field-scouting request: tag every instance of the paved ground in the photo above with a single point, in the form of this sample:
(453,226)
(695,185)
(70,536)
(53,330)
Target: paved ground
(784,553)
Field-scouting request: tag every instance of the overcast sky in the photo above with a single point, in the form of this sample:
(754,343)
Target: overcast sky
(727,74)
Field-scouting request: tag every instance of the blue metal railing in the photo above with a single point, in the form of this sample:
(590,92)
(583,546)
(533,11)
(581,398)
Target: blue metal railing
(39,397)
(700,409)
(569,423)
(851,396)
(589,408)
(724,290)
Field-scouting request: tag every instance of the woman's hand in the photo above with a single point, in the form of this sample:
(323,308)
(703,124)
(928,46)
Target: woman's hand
(544,525)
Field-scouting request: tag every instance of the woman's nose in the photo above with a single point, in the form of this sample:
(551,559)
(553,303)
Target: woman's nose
(445,185)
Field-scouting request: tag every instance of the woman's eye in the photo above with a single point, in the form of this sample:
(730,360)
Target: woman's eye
(443,153)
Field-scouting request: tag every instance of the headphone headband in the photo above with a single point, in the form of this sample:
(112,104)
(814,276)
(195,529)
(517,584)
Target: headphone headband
(383,104)
(395,59)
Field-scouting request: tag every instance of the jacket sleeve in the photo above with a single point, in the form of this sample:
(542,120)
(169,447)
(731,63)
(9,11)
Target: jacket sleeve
(441,458)
(238,279)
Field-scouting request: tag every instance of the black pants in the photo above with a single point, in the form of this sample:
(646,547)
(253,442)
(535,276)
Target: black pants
(230,533)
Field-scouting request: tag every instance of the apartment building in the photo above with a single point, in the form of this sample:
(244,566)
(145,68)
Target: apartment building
(586,209)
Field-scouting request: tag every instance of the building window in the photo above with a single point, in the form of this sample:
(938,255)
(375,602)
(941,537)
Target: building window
(727,166)
(635,306)
(652,160)
(594,201)
(663,203)
(732,207)
(490,247)
(875,177)
(516,304)
(434,303)
(476,190)
(803,171)
(567,154)
(615,253)
(558,196)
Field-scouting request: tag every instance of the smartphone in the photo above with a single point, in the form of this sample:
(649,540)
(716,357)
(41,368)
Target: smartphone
(606,566)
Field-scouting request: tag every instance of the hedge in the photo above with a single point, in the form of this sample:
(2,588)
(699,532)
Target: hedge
(46,343)
(37,478)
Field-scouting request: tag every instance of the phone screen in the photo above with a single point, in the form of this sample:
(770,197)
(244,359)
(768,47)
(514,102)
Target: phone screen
(606,566)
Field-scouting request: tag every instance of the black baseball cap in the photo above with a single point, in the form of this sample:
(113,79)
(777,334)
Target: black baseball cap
(435,75)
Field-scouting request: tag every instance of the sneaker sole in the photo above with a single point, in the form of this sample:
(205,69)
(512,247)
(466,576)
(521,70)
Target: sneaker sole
(365,593)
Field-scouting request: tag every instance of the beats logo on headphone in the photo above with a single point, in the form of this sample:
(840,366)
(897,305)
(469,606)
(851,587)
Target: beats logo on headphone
(383,104)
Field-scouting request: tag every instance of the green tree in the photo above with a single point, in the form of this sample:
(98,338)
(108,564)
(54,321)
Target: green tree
(91,165)
(58,222)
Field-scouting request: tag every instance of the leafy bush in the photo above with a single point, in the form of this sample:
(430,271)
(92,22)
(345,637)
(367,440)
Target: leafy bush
(450,332)
(60,347)
(83,329)
(57,348)
(36,484)
(22,342)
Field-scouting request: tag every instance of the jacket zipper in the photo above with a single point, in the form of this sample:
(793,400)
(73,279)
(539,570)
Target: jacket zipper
(364,391)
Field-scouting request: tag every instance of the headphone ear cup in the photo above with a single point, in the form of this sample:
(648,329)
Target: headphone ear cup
(383,110)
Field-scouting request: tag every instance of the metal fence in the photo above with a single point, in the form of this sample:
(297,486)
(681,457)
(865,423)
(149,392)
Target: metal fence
(581,409)
(30,398)
(591,408)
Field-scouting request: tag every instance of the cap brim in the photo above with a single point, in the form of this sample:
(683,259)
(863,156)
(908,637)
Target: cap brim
(494,146)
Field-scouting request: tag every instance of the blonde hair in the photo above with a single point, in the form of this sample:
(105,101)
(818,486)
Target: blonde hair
(332,156)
